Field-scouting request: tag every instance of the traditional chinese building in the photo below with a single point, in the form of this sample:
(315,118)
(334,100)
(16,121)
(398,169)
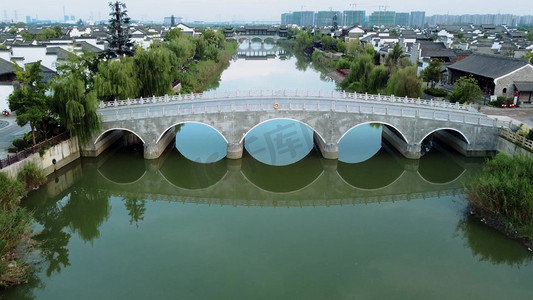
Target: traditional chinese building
(496,75)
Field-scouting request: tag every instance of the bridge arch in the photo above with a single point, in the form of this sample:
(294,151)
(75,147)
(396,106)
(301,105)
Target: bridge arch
(376,122)
(99,137)
(320,135)
(446,129)
(190,122)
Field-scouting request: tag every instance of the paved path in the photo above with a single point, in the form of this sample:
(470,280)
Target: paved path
(523,114)
(9,130)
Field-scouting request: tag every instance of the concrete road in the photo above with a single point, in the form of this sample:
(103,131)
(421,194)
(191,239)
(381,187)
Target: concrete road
(9,130)
(523,114)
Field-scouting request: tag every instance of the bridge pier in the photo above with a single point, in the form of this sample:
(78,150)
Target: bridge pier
(328,150)
(153,150)
(93,150)
(411,151)
(235,150)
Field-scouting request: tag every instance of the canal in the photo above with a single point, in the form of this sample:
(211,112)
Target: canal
(281,223)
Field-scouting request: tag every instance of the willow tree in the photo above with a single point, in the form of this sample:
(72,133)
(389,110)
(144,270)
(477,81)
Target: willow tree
(117,79)
(28,98)
(156,70)
(405,82)
(75,106)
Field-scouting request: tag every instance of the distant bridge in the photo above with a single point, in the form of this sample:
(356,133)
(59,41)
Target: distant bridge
(408,122)
(250,33)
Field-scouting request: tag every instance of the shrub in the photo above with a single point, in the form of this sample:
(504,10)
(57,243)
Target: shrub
(31,176)
(343,64)
(498,102)
(14,225)
(436,92)
(12,149)
(504,188)
(20,144)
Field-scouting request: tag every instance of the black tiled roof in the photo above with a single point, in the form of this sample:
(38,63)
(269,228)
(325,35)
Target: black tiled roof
(486,65)
(6,67)
(524,86)
(431,49)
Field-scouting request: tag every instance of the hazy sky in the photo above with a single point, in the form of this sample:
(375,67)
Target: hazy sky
(247,10)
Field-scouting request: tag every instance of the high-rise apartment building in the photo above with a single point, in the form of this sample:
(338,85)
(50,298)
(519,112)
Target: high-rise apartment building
(353,17)
(385,18)
(417,18)
(401,19)
(325,18)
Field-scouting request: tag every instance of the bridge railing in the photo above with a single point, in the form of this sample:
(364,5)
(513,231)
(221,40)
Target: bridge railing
(233,104)
(304,203)
(289,94)
(517,139)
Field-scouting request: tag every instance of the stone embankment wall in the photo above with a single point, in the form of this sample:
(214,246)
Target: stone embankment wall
(62,154)
(511,149)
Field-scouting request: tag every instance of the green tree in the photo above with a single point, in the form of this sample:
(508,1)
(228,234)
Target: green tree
(359,72)
(183,48)
(466,91)
(303,40)
(84,66)
(432,73)
(529,57)
(75,106)
(341,46)
(119,38)
(173,34)
(405,82)
(377,79)
(29,99)
(353,48)
(212,37)
(58,30)
(156,71)
(200,48)
(392,61)
(46,34)
(27,36)
(117,79)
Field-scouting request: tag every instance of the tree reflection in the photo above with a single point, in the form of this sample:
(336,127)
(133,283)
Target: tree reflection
(302,63)
(488,245)
(83,211)
(136,209)
(86,210)
(53,240)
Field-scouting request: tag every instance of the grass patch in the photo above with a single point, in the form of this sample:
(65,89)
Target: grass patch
(502,195)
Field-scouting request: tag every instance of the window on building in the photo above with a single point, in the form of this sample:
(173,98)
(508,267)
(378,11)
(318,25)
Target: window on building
(504,90)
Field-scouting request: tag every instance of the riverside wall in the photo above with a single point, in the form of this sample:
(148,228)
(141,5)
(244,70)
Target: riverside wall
(54,158)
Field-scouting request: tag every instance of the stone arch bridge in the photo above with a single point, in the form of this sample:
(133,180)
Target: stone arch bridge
(408,122)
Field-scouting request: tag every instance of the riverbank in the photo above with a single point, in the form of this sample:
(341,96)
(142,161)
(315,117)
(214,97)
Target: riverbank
(500,196)
(15,224)
(495,221)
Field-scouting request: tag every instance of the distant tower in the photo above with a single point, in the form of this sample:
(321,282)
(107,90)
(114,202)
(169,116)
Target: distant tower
(172,21)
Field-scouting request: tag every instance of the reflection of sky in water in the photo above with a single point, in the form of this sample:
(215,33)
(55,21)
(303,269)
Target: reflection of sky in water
(279,142)
(272,74)
(201,143)
(360,144)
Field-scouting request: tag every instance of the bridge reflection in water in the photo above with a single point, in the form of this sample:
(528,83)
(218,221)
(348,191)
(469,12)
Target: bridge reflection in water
(313,181)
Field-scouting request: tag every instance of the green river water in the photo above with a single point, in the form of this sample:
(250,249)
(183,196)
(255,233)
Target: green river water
(372,225)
